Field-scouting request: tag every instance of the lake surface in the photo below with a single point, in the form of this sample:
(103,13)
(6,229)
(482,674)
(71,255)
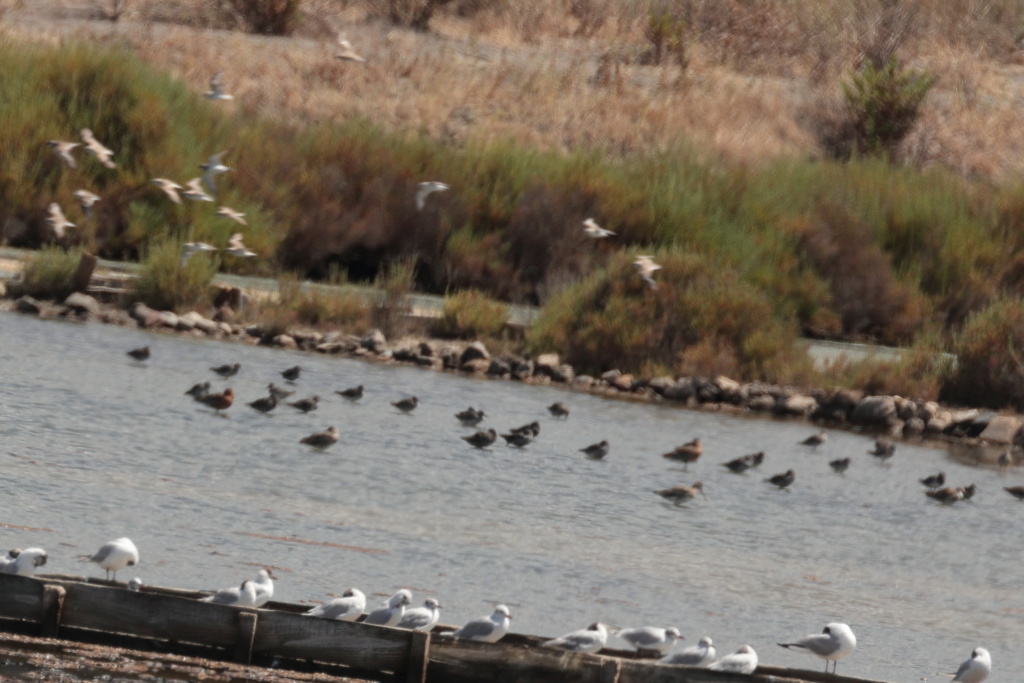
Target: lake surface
(94,446)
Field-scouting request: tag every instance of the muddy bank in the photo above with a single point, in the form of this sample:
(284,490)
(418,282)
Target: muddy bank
(893,417)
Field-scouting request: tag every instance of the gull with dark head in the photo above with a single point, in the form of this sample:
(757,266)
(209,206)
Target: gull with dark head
(228,212)
(86,200)
(651,638)
(832,644)
(63,151)
(169,188)
(392,611)
(349,607)
(421,618)
(98,149)
(591,639)
(976,669)
(698,656)
(115,555)
(23,562)
(135,585)
(594,231)
(243,596)
(486,629)
(216,91)
(425,189)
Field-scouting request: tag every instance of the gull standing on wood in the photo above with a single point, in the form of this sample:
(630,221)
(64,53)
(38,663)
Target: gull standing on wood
(348,53)
(86,199)
(646,267)
(422,618)
(169,188)
(213,167)
(348,607)
(237,248)
(63,151)
(590,639)
(425,189)
(115,555)
(392,611)
(228,212)
(832,644)
(23,562)
(699,656)
(743,661)
(216,91)
(97,148)
(486,629)
(243,596)
(194,191)
(976,669)
(595,231)
(651,638)
(264,587)
(57,222)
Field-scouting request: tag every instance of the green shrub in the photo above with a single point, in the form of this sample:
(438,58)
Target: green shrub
(470,314)
(166,284)
(884,105)
(49,274)
(989,355)
(393,289)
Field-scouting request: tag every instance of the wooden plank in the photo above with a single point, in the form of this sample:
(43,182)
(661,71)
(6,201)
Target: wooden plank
(419,658)
(149,615)
(459,661)
(22,598)
(53,606)
(297,636)
(246,634)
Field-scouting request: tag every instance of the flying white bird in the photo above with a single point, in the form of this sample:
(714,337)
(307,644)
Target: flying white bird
(169,187)
(348,53)
(63,151)
(194,191)
(425,189)
(216,91)
(646,267)
(228,212)
(595,231)
(86,199)
(98,149)
(213,167)
(56,221)
(237,248)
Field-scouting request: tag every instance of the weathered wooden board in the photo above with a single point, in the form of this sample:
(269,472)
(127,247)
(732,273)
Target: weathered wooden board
(21,597)
(328,640)
(149,615)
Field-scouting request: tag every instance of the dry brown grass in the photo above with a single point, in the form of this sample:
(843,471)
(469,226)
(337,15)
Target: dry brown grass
(570,74)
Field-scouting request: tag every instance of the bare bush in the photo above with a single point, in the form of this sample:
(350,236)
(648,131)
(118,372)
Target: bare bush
(415,14)
(883,28)
(591,15)
(110,10)
(269,17)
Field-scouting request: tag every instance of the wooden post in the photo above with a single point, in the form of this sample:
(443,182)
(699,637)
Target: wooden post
(86,266)
(419,657)
(53,605)
(610,671)
(246,634)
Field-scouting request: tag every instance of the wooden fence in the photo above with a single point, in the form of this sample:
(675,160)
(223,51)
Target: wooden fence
(72,608)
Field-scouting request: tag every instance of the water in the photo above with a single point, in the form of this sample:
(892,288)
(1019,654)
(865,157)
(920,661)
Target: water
(94,446)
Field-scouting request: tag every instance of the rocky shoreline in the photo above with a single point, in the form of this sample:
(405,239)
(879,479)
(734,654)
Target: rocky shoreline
(889,416)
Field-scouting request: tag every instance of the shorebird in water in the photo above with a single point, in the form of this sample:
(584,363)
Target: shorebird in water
(169,188)
(744,462)
(407,405)
(221,401)
(687,453)
(292,373)
(424,190)
(558,410)
(682,494)
(279,392)
(782,480)
(815,440)
(306,405)
(63,151)
(1015,491)
(470,417)
(934,481)
(352,394)
(322,439)
(531,430)
(595,231)
(216,91)
(98,149)
(198,391)
(140,354)
(481,439)
(839,466)
(229,370)
(596,451)
(883,450)
(265,404)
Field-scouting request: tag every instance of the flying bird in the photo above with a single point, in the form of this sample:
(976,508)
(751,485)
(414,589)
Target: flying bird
(347,53)
(213,167)
(646,267)
(63,151)
(98,149)
(194,191)
(86,200)
(425,189)
(595,231)
(237,248)
(216,91)
(228,212)
(190,248)
(57,222)
(169,188)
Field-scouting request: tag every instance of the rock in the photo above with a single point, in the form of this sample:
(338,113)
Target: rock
(963,419)
(427,350)
(1002,429)
(82,304)
(660,384)
(306,339)
(939,422)
(499,368)
(255,330)
(429,362)
(840,404)
(224,314)
(913,427)
(583,382)
(566,373)
(682,390)
(185,324)
(546,363)
(621,382)
(875,411)
(406,354)
(374,341)
(27,304)
(450,358)
(729,390)
(762,403)
(906,408)
(706,390)
(523,371)
(800,404)
(927,410)
(475,351)
(168,319)
(332,347)
(610,376)
(229,329)
(285,341)
(115,316)
(477,366)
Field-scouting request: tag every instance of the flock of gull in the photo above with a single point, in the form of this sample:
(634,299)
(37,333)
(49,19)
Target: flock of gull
(835,642)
